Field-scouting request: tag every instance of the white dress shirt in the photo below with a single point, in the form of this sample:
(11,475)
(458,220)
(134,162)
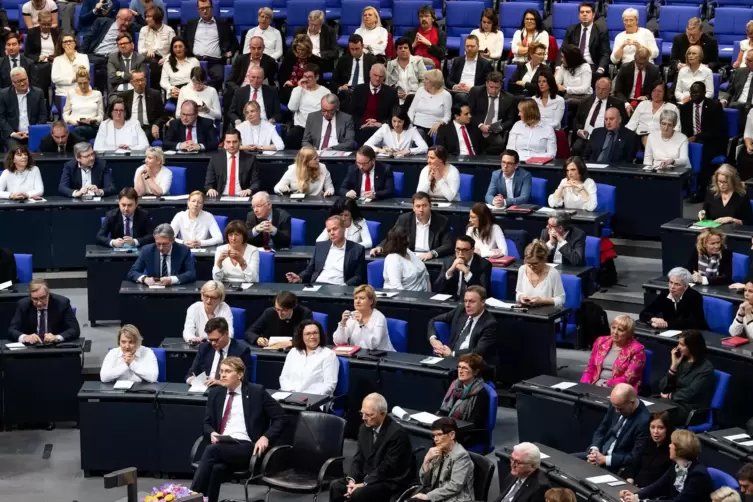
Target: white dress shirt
(644,120)
(372,335)
(492,41)
(29,182)
(746,89)
(86,176)
(109,138)
(236,422)
(333,271)
(642,36)
(228,169)
(206,41)
(207,96)
(466,343)
(157,41)
(571,198)
(422,236)
(586,51)
(196,320)
(263,134)
(289,182)
(403,273)
(468,75)
(204,229)
(550,287)
(316,43)
(578,82)
(272,41)
(687,77)
(374,39)
(164,179)
(361,78)
(599,118)
(303,102)
(310,373)
(135,108)
(181,76)
(485,247)
(552,113)
(742,325)
(358,232)
(461,140)
(233,272)
(530,72)
(386,137)
(64,72)
(446,188)
(536,141)
(332,126)
(143,368)
(428,109)
(658,149)
(517,39)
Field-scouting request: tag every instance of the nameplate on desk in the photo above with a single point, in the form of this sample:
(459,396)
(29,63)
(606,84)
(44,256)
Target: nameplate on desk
(156,286)
(670,333)
(312,288)
(176,197)
(441,204)
(34,200)
(591,165)
(6,285)
(229,198)
(297,195)
(198,250)
(740,439)
(148,197)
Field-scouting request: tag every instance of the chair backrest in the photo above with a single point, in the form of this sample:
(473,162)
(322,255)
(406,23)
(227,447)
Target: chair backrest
(463,17)
(573,291)
(250,372)
(159,353)
(36,133)
(721,478)
(297,232)
(511,14)
(442,329)
(342,387)
(648,367)
(491,418)
(397,330)
(266,266)
(740,264)
(606,197)
(563,15)
(483,472)
(499,283)
(375,274)
(614,17)
(374,227)
(221,222)
(732,115)
(24,268)
(719,313)
(538,190)
(350,15)
(246,14)
(399,182)
(722,380)
(317,438)
(512,248)
(520,240)
(674,18)
(593,251)
(239,322)
(729,23)
(405,17)
(466,183)
(322,319)
(178,185)
(298,12)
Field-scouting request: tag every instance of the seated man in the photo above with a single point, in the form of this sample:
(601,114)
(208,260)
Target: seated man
(745,479)
(368,179)
(526,482)
(86,175)
(681,309)
(352,69)
(60,139)
(510,185)
(621,437)
(120,65)
(612,143)
(191,133)
(232,172)
(428,40)
(128,225)
(566,243)
(472,329)
(636,79)
(102,40)
(383,465)
(336,261)
(226,416)
(464,269)
(241,76)
(693,35)
(91,10)
(254,90)
(323,38)
(43,317)
(214,42)
(146,105)
(329,129)
(591,114)
(467,71)
(21,106)
(14,59)
(278,321)
(165,262)
(218,345)
(447,470)
(458,137)
(493,113)
(373,102)
(270,227)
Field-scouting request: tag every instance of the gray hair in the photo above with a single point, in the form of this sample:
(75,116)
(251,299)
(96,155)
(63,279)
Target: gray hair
(332,99)
(157,152)
(380,68)
(81,148)
(337,218)
(530,453)
(631,12)
(680,274)
(316,15)
(267,11)
(694,22)
(210,286)
(725,494)
(164,230)
(18,70)
(670,115)
(378,400)
(258,36)
(256,67)
(562,218)
(260,197)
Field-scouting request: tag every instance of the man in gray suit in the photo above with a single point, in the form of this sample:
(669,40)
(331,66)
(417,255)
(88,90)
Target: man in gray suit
(122,63)
(447,471)
(330,129)
(734,97)
(499,193)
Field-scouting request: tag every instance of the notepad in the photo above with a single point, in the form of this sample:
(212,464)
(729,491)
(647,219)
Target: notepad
(312,288)
(647,403)
(441,204)
(598,480)
(33,201)
(175,197)
(440,297)
(280,395)
(15,345)
(431,360)
(546,210)
(268,152)
(246,285)
(596,166)
(670,333)
(425,418)
(198,250)
(735,437)
(279,339)
(564,385)
(123,385)
(199,384)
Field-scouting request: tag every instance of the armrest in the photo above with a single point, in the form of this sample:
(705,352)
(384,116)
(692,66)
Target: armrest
(334,463)
(692,415)
(276,459)
(411,491)
(195,448)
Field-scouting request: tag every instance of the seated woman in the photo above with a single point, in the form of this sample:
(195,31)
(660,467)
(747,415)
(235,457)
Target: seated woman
(560,495)
(531,31)
(176,72)
(653,461)
(130,360)
(119,131)
(538,283)
(490,240)
(205,96)
(726,200)
(356,229)
(551,105)
(258,135)
(745,45)
(375,37)
(742,326)
(195,227)
(65,65)
(617,358)
(154,42)
(402,268)
(666,148)
(530,136)
(310,367)
(236,261)
(466,398)
(711,261)
(725,494)
(294,65)
(693,71)
(647,114)
(690,381)
(431,106)
(405,73)
(305,98)
(398,137)
(525,79)
(364,326)
(212,305)
(20,179)
(576,190)
(491,40)
(83,106)
(574,75)
(307,176)
(438,178)
(273,43)
(153,178)
(629,41)
(688,479)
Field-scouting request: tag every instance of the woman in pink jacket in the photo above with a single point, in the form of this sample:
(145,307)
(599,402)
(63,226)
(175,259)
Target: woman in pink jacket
(618,358)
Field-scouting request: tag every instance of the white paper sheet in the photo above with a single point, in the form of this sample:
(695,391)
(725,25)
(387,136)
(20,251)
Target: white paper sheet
(735,437)
(670,333)
(440,298)
(123,385)
(122,150)
(441,204)
(431,360)
(297,195)
(606,478)
(564,385)
(246,285)
(553,265)
(493,302)
(15,345)
(6,285)
(385,294)
(546,210)
(176,197)
(746,443)
(312,288)
(157,286)
(596,166)
(268,152)
(198,250)
(34,201)
(424,417)
(616,483)
(400,413)
(199,383)
(278,339)
(543,456)
(647,403)
(280,395)
(228,198)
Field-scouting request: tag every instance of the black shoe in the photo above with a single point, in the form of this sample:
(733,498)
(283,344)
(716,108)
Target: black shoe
(50,426)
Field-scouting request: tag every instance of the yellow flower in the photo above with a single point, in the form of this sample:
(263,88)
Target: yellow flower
(169,498)
(159,495)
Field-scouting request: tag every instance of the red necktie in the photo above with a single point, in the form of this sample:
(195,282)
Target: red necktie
(467,141)
(596,113)
(231,189)
(638,85)
(327,133)
(367,185)
(253,98)
(189,133)
(226,413)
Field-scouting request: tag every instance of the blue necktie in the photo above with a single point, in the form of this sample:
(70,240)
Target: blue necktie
(164,272)
(355,74)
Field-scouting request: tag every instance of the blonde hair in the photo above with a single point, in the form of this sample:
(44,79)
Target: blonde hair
(376,13)
(132,332)
(626,321)
(559,495)
(732,178)
(530,112)
(700,49)
(234,363)
(303,173)
(302,41)
(687,444)
(37,284)
(210,286)
(533,47)
(81,72)
(435,78)
(536,250)
(370,294)
(196,192)
(725,494)
(703,237)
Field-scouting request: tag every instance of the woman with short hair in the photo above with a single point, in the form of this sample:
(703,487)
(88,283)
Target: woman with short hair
(273,43)
(375,37)
(305,99)
(466,398)
(83,107)
(293,65)
(576,190)
(211,305)
(694,71)
(538,283)
(153,178)
(526,76)
(356,229)
(307,176)
(365,325)
(129,361)
(530,136)
(711,261)
(491,40)
(403,270)
(310,367)
(742,325)
(21,179)
(446,473)
(397,137)
(155,39)
(647,115)
(745,45)
(727,200)
(119,131)
(195,227)
(406,72)
(431,106)
(629,41)
(617,357)
(439,178)
(258,135)
(666,148)
(236,261)
(65,64)
(559,495)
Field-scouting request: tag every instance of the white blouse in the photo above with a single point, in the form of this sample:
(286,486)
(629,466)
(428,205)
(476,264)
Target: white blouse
(272,41)
(644,120)
(492,41)
(517,41)
(374,40)
(687,77)
(164,179)
(386,137)
(79,107)
(203,229)
(742,325)
(64,72)
(578,82)
(29,182)
(314,373)
(446,188)
(289,182)
(537,141)
(643,37)
(658,149)
(207,96)
(571,199)
(407,274)
(372,336)
(196,320)
(428,109)
(550,287)
(170,78)
(485,248)
(109,138)
(157,41)
(143,368)
(303,102)
(748,132)
(358,232)
(234,273)
(263,134)
(552,113)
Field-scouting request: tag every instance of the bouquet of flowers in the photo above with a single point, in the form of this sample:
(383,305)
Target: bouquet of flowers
(167,493)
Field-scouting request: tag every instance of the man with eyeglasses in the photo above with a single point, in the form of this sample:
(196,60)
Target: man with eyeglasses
(278,322)
(383,465)
(217,346)
(526,482)
(102,40)
(268,227)
(510,185)
(191,133)
(566,243)
(146,105)
(211,39)
(493,113)
(464,269)
(86,174)
(121,64)
(368,179)
(21,106)
(323,39)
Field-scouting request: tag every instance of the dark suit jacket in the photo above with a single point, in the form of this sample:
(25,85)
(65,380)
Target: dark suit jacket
(483,67)
(115,64)
(698,485)
(228,42)
(205,130)
(154,107)
(598,43)
(23,61)
(48,145)
(735,89)
(280,220)
(148,263)
(289,60)
(629,445)
(507,109)
(240,69)
(387,98)
(33,43)
(681,44)
(529,89)
(70,180)
(384,181)
(585,108)
(87,17)
(623,148)
(263,415)
(689,313)
(60,319)
(574,252)
(97,33)
(447,136)
(626,78)
(483,337)
(354,266)
(344,128)
(269,324)
(344,67)
(217,172)
(112,227)
(36,109)
(388,461)
(327,41)
(725,267)
(713,134)
(440,238)
(242,96)
(533,489)
(481,275)
(202,362)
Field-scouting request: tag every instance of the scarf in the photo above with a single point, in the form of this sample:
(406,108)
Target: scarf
(708,265)
(460,399)
(432,35)
(298,67)
(681,474)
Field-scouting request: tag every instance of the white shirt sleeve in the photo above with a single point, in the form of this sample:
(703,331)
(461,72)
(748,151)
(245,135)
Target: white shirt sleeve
(277,140)
(215,110)
(330,369)
(4,192)
(286,382)
(141,142)
(516,39)
(277,53)
(365,235)
(551,142)
(215,235)
(294,103)
(449,186)
(113,367)
(555,202)
(145,365)
(648,155)
(393,272)
(251,272)
(38,189)
(217,272)
(498,239)
(164,180)
(328,186)
(177,227)
(377,139)
(447,104)
(189,326)
(423,181)
(748,133)
(592,202)
(285,183)
(421,146)
(520,285)
(708,80)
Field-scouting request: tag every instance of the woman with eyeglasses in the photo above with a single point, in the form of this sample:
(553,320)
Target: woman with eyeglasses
(129,361)
(120,132)
(364,326)
(64,65)
(273,44)
(83,106)
(153,178)
(617,357)
(726,200)
(525,78)
(467,399)
(212,305)
(205,96)
(237,261)
(531,30)
(538,283)
(310,367)
(195,227)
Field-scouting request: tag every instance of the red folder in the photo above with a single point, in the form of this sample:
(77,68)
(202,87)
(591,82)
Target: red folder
(539,160)
(346,350)
(501,261)
(734,341)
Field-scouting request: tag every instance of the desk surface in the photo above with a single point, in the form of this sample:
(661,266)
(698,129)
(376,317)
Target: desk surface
(730,230)
(64,348)
(713,343)
(723,292)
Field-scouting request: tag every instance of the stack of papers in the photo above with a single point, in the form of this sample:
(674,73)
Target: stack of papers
(15,346)
(564,385)
(670,333)
(297,195)
(440,298)
(493,302)
(400,413)
(280,395)
(6,285)
(424,418)
(228,198)
(606,478)
(123,385)
(279,339)
(546,210)
(312,288)
(199,384)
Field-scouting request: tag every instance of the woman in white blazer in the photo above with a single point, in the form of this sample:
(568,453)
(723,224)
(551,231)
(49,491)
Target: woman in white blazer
(130,360)
(195,227)
(257,134)
(398,138)
(364,326)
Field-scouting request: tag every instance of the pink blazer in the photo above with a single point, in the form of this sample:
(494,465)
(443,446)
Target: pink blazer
(628,367)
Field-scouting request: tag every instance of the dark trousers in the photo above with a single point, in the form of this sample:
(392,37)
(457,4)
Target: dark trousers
(579,146)
(745,164)
(494,144)
(294,138)
(216,71)
(364,133)
(11,143)
(707,168)
(743,114)
(43,74)
(424,132)
(217,463)
(376,492)
(155,73)
(100,70)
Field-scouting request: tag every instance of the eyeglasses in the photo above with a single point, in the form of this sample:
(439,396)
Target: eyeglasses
(437,435)
(463,250)
(367,415)
(514,462)
(210,297)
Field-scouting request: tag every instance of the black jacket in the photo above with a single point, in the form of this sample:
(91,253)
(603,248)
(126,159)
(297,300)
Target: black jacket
(97,33)
(625,79)
(202,363)
(698,486)
(269,324)
(154,107)
(585,108)
(574,252)
(205,130)
(36,110)
(440,238)
(507,109)
(33,43)
(484,336)
(598,43)
(387,99)
(688,315)
(289,60)
(481,275)
(388,460)
(651,464)
(327,41)
(60,319)
(624,146)
(725,267)
(240,69)
(26,63)
(8,270)
(344,67)
(533,489)
(246,168)
(447,136)
(48,145)
(483,67)
(384,181)
(354,263)
(632,437)
(438,50)
(681,44)
(228,41)
(269,96)
(713,133)
(112,227)
(529,88)
(691,388)
(736,85)
(101,176)
(263,415)
(280,220)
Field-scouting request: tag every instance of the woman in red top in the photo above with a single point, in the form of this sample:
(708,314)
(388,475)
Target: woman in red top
(428,40)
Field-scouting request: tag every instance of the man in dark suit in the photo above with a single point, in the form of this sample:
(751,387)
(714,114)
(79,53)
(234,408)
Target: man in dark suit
(128,225)
(243,177)
(383,465)
(682,308)
(351,69)
(91,10)
(373,104)
(43,317)
(328,49)
(245,412)
(612,143)
(458,137)
(493,113)
(280,320)
(432,242)
(636,79)
(461,81)
(191,133)
(145,105)
(693,35)
(733,97)
(214,43)
(165,262)
(121,63)
(60,139)
(14,59)
(33,49)
(14,131)
(591,39)
(267,97)
(269,228)
(566,243)
(240,75)
(86,167)
(101,41)
(218,345)
(591,114)
(526,482)
(472,329)
(463,270)
(325,137)
(352,272)
(621,437)
(498,193)
(368,179)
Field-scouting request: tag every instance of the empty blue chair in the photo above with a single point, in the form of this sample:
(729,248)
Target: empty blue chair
(298,14)
(512,249)
(721,478)
(466,187)
(732,116)
(606,196)
(491,422)
(593,252)
(246,15)
(375,274)
(36,133)
(648,368)
(740,263)
(385,9)
(719,313)
(499,283)
(340,398)
(538,191)
(221,222)
(397,329)
(178,185)
(406,17)
(24,268)
(322,319)
(573,300)
(350,19)
(374,227)
(239,322)
(297,232)
(510,15)
(672,21)
(442,329)
(159,353)
(720,391)
(729,24)
(266,266)
(462,18)
(614,17)
(563,15)
(399,181)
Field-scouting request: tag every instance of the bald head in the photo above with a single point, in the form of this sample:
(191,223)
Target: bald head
(612,119)
(256,76)
(624,399)
(603,88)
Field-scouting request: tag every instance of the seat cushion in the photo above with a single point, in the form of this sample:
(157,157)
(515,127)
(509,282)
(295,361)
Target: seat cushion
(293,480)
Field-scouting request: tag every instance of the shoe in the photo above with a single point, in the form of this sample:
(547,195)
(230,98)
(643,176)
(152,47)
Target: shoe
(50,426)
